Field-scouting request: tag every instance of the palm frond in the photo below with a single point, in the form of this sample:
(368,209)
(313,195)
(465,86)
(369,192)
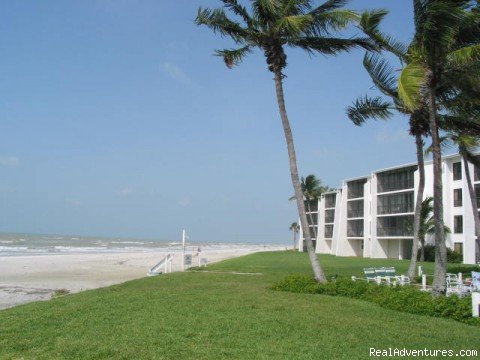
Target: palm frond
(329,6)
(465,55)
(293,25)
(233,57)
(410,85)
(382,74)
(218,21)
(266,12)
(239,10)
(330,46)
(326,23)
(369,23)
(440,29)
(365,108)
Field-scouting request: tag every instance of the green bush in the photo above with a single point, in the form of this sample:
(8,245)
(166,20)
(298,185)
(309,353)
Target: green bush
(429,253)
(466,270)
(401,298)
(452,256)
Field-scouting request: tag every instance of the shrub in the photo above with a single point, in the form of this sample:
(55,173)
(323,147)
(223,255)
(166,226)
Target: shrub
(401,298)
(466,270)
(429,253)
(452,256)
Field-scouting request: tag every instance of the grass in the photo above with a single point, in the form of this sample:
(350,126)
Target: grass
(216,314)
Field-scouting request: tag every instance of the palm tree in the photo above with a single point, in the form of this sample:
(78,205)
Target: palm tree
(312,189)
(271,26)
(446,38)
(385,79)
(427,224)
(296,229)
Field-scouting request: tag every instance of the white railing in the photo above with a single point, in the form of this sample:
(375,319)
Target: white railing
(164,266)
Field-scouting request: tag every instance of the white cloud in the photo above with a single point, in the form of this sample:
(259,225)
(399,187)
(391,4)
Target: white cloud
(9,160)
(125,192)
(385,136)
(185,201)
(175,72)
(73,202)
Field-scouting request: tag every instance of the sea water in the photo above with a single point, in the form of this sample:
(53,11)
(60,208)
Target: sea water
(35,244)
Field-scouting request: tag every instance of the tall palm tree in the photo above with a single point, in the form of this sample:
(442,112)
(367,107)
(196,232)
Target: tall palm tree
(385,79)
(296,229)
(427,224)
(312,189)
(446,38)
(271,26)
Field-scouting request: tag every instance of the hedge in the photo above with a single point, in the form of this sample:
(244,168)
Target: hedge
(401,298)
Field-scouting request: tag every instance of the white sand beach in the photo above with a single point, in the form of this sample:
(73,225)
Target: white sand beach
(35,277)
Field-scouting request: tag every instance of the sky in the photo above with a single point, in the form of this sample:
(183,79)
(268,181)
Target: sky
(116,120)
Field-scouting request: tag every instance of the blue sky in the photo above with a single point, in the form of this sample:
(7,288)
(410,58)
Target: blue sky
(117,120)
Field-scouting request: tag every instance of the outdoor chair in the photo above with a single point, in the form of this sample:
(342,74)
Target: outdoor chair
(370,275)
(391,276)
(455,286)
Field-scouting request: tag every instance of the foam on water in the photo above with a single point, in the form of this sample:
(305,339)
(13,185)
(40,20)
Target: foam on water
(27,244)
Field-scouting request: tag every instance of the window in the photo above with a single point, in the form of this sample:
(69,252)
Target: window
(477,195)
(355,189)
(457,171)
(328,231)
(311,205)
(396,180)
(330,200)
(457,197)
(355,209)
(458,247)
(395,203)
(458,224)
(329,216)
(312,217)
(395,226)
(355,228)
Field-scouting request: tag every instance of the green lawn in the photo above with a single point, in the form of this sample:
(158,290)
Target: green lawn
(218,314)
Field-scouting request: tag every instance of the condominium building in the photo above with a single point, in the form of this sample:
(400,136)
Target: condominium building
(372,216)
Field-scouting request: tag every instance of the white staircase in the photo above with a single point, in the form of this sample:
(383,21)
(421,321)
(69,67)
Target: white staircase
(164,266)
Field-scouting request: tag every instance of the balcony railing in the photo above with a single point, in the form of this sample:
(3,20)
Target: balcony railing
(355,233)
(394,209)
(394,231)
(355,213)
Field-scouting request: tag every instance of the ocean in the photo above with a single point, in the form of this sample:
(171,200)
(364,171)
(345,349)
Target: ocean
(36,244)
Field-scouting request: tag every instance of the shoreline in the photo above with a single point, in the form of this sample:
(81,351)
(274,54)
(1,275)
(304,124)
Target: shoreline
(28,278)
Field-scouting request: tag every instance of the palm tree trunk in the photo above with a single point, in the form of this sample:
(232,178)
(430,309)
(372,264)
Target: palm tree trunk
(473,199)
(294,240)
(439,280)
(317,269)
(418,206)
(310,217)
(422,249)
